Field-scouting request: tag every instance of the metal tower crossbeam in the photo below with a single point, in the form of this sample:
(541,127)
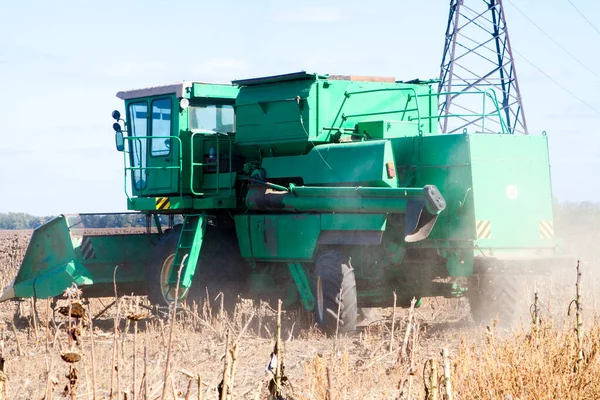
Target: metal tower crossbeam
(477,56)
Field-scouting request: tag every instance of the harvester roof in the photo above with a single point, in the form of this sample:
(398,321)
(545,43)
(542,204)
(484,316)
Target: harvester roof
(180,88)
(177,88)
(303,75)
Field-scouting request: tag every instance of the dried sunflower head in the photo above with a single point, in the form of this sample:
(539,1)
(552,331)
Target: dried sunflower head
(70,356)
(137,316)
(77,309)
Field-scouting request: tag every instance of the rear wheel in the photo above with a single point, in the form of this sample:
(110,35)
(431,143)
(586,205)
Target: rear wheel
(497,296)
(335,289)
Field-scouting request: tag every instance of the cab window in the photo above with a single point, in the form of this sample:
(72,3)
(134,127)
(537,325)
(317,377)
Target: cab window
(161,127)
(212,118)
(138,117)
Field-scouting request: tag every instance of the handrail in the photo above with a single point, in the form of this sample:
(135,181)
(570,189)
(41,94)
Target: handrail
(484,93)
(488,93)
(127,161)
(193,164)
(400,89)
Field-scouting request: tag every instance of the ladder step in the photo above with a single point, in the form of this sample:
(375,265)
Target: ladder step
(187,245)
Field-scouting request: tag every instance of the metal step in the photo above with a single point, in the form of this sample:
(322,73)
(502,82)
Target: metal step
(190,243)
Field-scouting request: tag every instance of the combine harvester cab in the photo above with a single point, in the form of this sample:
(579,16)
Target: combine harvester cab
(62,253)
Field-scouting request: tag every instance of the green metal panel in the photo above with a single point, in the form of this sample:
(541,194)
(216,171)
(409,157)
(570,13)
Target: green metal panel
(179,204)
(443,150)
(278,237)
(131,252)
(511,192)
(226,181)
(269,116)
(211,203)
(295,236)
(328,164)
(351,222)
(460,213)
(387,129)
(243,226)
(213,91)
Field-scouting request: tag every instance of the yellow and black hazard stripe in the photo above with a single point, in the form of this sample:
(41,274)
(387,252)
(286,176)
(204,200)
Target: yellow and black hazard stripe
(87,250)
(484,229)
(163,203)
(546,229)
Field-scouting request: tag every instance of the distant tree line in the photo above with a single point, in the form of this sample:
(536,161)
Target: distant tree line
(113,220)
(21,221)
(27,221)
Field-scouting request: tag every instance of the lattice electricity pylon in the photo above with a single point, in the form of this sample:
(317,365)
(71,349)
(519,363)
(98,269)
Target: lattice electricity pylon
(477,57)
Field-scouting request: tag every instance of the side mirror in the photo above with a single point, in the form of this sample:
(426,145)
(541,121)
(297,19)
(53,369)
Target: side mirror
(119,141)
(117,127)
(116,115)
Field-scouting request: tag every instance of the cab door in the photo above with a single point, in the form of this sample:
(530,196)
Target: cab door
(162,174)
(153,147)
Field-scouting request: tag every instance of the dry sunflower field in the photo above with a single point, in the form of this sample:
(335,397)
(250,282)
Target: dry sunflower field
(432,352)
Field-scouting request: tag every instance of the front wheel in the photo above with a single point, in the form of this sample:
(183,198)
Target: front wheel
(335,290)
(159,290)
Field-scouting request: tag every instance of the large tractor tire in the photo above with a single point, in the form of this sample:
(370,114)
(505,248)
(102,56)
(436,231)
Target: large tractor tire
(335,289)
(220,269)
(499,296)
(158,273)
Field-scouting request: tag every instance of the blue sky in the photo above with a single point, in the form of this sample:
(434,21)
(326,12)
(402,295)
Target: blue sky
(61,64)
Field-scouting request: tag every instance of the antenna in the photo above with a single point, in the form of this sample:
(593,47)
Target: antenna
(477,57)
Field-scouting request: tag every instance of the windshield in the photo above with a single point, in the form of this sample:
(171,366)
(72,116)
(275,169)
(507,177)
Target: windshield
(213,118)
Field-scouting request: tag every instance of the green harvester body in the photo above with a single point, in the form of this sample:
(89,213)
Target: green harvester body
(299,163)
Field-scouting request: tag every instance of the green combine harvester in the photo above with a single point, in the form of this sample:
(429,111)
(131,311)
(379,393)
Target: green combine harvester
(325,191)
